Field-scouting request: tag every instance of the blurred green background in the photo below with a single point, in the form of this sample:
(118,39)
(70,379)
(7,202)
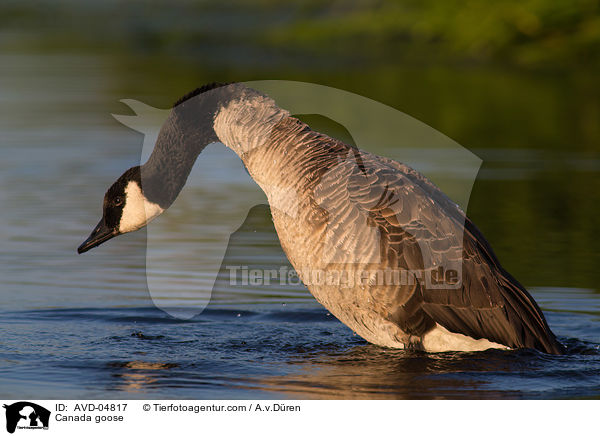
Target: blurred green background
(514,81)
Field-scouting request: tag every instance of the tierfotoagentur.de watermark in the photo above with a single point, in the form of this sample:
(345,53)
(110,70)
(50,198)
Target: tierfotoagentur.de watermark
(284,275)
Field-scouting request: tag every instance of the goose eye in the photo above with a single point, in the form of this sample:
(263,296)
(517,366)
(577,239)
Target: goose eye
(118,201)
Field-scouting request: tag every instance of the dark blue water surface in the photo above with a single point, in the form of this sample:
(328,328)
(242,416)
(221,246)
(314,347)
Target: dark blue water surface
(270,351)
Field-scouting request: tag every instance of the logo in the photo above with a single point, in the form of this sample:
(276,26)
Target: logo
(352,189)
(26,415)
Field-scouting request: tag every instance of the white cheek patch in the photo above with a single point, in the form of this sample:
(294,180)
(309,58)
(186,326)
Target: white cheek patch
(138,211)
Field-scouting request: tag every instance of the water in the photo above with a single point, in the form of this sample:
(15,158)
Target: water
(87,327)
(270,351)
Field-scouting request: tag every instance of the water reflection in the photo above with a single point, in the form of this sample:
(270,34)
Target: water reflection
(138,375)
(369,372)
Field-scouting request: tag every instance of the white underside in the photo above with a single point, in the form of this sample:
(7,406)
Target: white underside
(439,340)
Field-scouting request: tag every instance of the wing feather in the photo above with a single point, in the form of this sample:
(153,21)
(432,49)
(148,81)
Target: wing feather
(418,226)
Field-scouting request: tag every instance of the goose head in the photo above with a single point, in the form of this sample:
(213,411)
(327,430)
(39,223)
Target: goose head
(126,208)
(130,204)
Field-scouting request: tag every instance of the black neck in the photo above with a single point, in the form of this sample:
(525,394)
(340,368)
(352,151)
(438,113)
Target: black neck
(183,136)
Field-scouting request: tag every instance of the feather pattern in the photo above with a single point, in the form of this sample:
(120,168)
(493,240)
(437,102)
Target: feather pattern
(356,213)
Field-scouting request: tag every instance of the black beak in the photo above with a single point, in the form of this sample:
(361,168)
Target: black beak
(99,235)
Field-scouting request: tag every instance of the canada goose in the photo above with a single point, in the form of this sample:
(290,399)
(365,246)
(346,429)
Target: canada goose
(340,209)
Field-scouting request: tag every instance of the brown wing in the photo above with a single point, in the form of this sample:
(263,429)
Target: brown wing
(420,227)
